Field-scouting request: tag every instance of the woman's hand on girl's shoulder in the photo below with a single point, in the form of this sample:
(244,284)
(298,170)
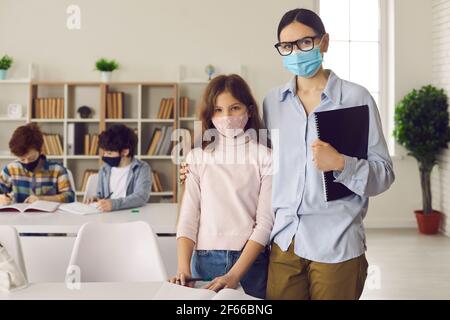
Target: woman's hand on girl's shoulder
(184,171)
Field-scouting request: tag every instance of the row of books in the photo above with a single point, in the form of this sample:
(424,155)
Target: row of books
(161,142)
(52,145)
(115,102)
(91,144)
(86,175)
(166,108)
(184,107)
(156,182)
(49,108)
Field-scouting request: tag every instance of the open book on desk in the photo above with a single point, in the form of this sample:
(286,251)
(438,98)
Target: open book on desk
(170,291)
(38,206)
(80,208)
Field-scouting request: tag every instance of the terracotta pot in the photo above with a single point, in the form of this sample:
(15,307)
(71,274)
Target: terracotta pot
(428,223)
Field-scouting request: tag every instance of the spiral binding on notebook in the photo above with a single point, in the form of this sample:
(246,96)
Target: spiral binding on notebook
(325,188)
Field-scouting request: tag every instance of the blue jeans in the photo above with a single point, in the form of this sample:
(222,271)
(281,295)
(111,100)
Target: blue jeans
(209,264)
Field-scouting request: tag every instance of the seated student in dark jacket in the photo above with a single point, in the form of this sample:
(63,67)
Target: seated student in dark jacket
(124,181)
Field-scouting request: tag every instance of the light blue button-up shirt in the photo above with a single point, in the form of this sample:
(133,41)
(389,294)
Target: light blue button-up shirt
(329,232)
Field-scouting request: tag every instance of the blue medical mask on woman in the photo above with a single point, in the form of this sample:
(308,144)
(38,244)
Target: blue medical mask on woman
(304,64)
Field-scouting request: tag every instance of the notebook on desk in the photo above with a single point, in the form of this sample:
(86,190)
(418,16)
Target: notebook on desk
(79,208)
(38,206)
(347,130)
(170,291)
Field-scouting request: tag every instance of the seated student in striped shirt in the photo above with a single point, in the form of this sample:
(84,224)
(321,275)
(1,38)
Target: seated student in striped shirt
(32,177)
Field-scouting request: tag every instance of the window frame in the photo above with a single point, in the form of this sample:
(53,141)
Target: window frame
(386,65)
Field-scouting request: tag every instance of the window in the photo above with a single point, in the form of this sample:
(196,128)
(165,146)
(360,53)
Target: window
(355,51)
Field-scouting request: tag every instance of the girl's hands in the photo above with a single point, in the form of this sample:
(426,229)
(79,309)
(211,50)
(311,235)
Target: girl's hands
(182,278)
(184,170)
(327,158)
(225,281)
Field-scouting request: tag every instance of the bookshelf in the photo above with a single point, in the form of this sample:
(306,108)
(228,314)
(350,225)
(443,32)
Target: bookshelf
(11,92)
(140,102)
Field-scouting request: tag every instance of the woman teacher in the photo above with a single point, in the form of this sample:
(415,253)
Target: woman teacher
(318,247)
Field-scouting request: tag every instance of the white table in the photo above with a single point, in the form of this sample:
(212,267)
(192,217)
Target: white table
(47,256)
(87,291)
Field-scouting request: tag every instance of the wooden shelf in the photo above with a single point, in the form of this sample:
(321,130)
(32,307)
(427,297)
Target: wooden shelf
(7,119)
(80,120)
(82,157)
(145,157)
(157,120)
(5,157)
(122,120)
(16,81)
(47,120)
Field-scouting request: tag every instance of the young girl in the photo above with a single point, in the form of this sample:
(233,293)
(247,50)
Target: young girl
(226,216)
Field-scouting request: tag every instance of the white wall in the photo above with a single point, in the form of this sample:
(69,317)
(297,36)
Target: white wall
(151,38)
(412,69)
(441,78)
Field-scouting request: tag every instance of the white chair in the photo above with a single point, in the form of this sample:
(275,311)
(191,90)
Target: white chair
(71,180)
(117,252)
(91,187)
(9,238)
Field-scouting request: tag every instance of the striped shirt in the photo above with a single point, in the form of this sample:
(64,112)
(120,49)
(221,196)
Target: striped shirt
(47,180)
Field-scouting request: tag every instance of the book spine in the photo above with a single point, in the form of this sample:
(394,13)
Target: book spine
(324,180)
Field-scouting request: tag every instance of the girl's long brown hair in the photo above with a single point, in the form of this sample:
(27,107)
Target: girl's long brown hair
(240,90)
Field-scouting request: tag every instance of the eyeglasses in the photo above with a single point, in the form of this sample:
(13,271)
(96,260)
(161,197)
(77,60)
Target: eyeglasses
(304,44)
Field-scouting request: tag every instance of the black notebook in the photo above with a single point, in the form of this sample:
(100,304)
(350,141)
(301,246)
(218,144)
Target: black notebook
(347,130)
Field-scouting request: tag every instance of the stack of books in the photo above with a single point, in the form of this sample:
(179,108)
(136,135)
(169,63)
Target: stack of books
(114,105)
(52,145)
(166,108)
(184,107)
(48,108)
(86,175)
(91,144)
(156,182)
(161,142)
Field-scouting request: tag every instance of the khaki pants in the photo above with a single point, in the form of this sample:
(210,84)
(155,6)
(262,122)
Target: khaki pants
(294,278)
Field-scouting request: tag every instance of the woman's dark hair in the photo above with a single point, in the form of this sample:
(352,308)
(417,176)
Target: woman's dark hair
(304,16)
(117,138)
(26,138)
(239,89)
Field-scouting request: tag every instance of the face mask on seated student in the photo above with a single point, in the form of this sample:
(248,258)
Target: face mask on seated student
(51,181)
(124,181)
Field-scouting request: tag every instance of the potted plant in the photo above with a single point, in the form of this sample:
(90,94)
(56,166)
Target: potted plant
(106,67)
(422,127)
(5,63)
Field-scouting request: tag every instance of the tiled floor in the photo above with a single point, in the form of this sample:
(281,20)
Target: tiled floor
(407,265)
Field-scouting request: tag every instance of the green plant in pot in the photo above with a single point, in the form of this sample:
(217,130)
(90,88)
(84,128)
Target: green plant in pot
(106,67)
(5,63)
(422,127)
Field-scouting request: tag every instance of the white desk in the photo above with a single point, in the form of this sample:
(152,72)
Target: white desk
(46,257)
(87,291)
(101,291)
